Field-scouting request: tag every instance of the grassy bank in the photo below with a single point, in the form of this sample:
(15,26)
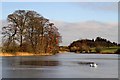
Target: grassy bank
(24,54)
(106,49)
(109,50)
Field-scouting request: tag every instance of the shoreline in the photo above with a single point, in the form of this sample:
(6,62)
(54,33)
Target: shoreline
(41,54)
(24,54)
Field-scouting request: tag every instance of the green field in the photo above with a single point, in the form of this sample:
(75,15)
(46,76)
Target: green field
(109,50)
(106,49)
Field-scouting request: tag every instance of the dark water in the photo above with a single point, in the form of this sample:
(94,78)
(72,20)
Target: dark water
(67,65)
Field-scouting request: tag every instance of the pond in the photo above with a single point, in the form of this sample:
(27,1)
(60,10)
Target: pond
(63,65)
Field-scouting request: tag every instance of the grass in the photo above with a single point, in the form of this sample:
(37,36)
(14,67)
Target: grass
(24,54)
(109,50)
(106,49)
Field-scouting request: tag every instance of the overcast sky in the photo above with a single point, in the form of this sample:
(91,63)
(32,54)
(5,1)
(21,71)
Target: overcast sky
(75,20)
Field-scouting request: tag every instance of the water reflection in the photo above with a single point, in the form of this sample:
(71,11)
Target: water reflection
(86,63)
(40,63)
(67,65)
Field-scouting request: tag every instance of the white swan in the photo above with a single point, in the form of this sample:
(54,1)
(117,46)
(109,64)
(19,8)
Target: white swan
(93,65)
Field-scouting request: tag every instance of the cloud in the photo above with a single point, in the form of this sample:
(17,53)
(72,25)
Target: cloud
(105,6)
(2,23)
(88,29)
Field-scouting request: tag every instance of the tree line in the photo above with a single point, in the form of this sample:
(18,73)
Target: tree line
(28,31)
(87,44)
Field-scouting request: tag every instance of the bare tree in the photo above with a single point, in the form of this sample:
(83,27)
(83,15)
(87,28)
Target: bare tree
(30,29)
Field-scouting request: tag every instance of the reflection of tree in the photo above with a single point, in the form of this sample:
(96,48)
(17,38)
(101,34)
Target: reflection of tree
(31,32)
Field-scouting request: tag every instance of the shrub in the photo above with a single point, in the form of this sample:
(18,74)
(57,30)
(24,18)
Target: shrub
(10,48)
(98,49)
